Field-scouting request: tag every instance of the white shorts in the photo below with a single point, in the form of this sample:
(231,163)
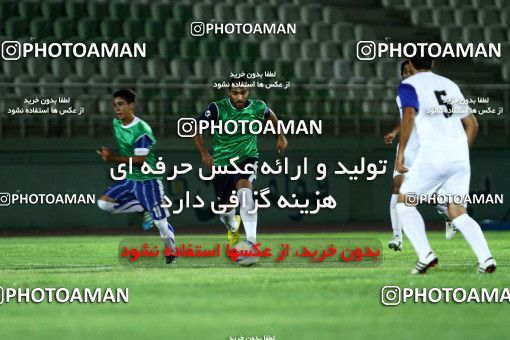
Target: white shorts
(427,178)
(409,157)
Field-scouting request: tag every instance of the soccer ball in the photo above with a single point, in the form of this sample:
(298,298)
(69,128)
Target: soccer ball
(246,261)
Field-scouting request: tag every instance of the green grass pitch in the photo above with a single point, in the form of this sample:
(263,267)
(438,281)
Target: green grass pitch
(216,303)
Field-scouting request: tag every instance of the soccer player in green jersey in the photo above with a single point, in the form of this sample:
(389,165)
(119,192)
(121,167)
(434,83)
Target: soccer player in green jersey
(235,109)
(138,192)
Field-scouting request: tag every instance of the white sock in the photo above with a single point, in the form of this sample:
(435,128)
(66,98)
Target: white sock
(129,207)
(229,220)
(246,204)
(414,228)
(114,208)
(395,221)
(443,211)
(106,206)
(166,232)
(473,235)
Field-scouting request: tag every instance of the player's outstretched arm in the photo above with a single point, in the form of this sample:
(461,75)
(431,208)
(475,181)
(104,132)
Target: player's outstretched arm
(281,144)
(406,127)
(206,156)
(471,127)
(389,137)
(108,156)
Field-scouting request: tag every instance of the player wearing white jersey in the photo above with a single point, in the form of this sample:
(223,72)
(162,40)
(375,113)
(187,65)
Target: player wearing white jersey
(434,106)
(410,154)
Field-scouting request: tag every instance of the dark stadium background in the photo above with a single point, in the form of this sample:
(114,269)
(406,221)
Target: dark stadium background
(355,99)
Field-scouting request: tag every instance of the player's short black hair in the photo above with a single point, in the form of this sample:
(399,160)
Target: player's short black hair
(422,63)
(403,66)
(126,94)
(235,81)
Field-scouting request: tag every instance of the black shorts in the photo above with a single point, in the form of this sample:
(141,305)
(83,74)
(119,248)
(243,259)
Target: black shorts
(224,184)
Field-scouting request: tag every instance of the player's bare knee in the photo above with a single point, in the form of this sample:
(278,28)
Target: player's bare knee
(455,210)
(395,188)
(244,183)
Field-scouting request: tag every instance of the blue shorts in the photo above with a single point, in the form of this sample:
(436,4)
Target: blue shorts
(149,193)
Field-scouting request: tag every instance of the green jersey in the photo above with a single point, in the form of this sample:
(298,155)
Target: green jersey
(238,144)
(136,139)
